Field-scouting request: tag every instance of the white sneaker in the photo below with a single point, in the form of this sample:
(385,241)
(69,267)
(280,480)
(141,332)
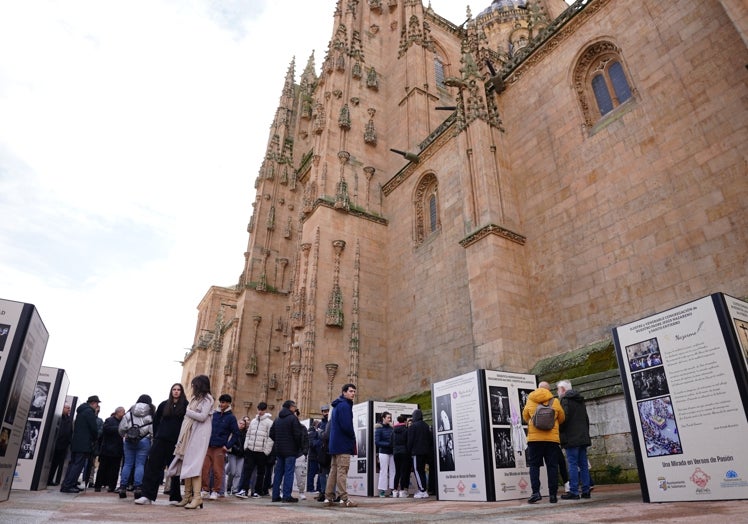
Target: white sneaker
(421,495)
(566,486)
(404,494)
(241,494)
(143,500)
(302,496)
(213,496)
(204,494)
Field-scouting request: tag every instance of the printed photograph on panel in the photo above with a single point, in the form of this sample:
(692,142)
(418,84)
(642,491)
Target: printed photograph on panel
(643,355)
(4,440)
(30,438)
(650,383)
(361,443)
(502,448)
(4,330)
(361,466)
(15,395)
(659,428)
(443,413)
(39,401)
(499,402)
(741,327)
(523,394)
(446,452)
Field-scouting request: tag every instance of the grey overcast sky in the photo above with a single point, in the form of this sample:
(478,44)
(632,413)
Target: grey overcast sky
(131,134)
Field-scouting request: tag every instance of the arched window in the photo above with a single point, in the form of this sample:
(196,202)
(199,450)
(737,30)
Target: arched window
(426,208)
(439,72)
(601,82)
(441,66)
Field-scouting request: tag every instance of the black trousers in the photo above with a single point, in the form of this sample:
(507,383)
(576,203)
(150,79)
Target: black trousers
(55,470)
(108,472)
(402,472)
(253,460)
(537,453)
(159,457)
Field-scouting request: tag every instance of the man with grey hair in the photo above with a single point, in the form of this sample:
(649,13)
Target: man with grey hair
(575,438)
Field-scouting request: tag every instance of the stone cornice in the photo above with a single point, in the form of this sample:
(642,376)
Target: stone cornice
(429,146)
(443,22)
(492,229)
(550,38)
(321,202)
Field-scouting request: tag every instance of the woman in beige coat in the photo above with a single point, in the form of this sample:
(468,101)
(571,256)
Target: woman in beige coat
(193,442)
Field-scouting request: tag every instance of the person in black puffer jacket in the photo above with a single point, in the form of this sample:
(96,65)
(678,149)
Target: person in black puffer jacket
(286,434)
(383,442)
(421,448)
(402,457)
(166,425)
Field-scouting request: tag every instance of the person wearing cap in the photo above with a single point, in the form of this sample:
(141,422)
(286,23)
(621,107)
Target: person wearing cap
(85,433)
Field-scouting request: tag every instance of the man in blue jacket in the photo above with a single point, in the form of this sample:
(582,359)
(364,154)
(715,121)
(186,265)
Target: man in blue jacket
(224,433)
(342,446)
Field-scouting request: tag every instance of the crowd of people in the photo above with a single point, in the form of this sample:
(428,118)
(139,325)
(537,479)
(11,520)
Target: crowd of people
(190,442)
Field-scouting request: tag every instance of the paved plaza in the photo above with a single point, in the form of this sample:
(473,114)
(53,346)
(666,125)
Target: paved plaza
(616,503)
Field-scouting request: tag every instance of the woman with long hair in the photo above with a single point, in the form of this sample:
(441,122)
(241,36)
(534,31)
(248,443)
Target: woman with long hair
(192,443)
(166,425)
(140,416)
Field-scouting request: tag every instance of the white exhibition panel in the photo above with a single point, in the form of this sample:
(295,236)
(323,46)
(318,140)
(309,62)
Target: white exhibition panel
(687,416)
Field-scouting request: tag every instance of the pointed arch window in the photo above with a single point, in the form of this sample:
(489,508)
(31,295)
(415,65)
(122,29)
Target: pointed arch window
(601,82)
(439,72)
(426,208)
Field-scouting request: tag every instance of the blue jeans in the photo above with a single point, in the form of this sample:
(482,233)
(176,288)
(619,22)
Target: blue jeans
(284,471)
(311,472)
(135,455)
(578,469)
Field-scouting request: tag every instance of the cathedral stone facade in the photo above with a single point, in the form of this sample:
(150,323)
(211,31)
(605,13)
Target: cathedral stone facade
(437,198)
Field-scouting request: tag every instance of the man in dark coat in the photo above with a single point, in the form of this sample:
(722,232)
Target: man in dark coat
(286,434)
(342,445)
(62,444)
(110,454)
(85,433)
(575,438)
(421,448)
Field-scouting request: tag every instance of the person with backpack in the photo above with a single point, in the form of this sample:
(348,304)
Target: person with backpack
(136,427)
(575,438)
(543,439)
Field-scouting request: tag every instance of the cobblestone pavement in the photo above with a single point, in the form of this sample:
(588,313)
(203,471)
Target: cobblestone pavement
(614,504)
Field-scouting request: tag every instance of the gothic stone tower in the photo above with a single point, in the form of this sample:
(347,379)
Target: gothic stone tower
(510,222)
